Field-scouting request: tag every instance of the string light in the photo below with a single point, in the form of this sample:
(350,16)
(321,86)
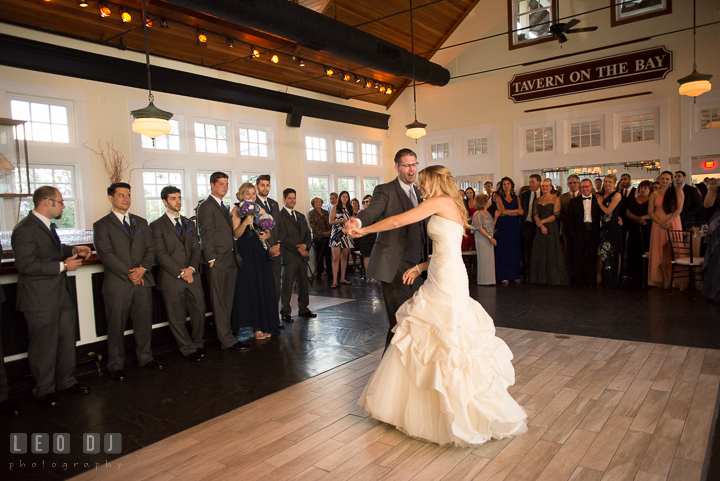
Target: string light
(329,72)
(125,16)
(202,38)
(104,10)
(346,77)
(274,59)
(230,42)
(255,52)
(83,3)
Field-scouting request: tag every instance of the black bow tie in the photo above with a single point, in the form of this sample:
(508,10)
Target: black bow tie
(587,198)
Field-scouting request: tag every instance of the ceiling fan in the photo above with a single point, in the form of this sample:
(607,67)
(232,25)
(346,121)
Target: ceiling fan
(560,29)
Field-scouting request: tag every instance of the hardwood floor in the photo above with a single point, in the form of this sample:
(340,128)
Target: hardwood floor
(598,409)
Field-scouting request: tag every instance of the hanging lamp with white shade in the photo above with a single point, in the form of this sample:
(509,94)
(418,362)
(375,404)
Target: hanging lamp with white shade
(150,121)
(696,83)
(415,129)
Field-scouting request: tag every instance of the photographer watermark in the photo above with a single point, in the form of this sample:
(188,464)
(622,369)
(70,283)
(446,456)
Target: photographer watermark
(40,443)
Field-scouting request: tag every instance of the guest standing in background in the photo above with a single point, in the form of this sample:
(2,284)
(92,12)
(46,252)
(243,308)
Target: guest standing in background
(366,243)
(527,226)
(712,200)
(483,226)
(507,254)
(692,209)
(492,198)
(547,262)
(321,229)
(599,189)
(584,234)
(655,186)
(610,232)
(340,242)
(254,301)
(333,198)
(468,240)
(664,210)
(638,224)
(356,205)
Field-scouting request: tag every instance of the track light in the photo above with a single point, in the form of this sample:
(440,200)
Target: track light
(83,3)
(202,38)
(389,90)
(148,22)
(382,89)
(357,79)
(164,23)
(104,10)
(230,42)
(346,77)
(125,16)
(301,63)
(329,72)
(274,59)
(368,83)
(255,52)
(377,85)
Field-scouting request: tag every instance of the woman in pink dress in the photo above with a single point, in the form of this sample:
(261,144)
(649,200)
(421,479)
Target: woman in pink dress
(664,209)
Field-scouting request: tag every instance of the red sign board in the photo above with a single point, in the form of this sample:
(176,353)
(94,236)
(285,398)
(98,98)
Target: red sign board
(710,164)
(628,68)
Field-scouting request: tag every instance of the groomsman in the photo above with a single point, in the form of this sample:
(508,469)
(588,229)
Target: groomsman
(124,244)
(584,234)
(218,247)
(262,189)
(177,250)
(44,299)
(693,210)
(527,225)
(294,236)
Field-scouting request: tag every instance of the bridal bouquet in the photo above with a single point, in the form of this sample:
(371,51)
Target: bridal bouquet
(265,222)
(251,209)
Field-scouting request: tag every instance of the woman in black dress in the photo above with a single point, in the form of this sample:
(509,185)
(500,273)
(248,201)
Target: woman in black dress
(547,261)
(340,242)
(638,230)
(610,232)
(255,303)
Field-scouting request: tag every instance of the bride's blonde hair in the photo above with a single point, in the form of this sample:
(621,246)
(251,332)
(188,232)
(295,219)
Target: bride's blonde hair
(437,180)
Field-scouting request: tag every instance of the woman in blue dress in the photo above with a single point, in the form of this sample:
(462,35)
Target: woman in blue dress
(507,252)
(255,304)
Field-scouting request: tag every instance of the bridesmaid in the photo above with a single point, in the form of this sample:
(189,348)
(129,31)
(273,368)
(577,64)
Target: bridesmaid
(547,261)
(664,210)
(610,232)
(507,254)
(483,225)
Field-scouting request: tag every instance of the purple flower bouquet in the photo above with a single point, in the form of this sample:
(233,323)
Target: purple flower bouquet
(251,209)
(265,222)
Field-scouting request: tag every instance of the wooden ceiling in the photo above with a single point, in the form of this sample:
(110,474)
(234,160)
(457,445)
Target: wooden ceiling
(433,24)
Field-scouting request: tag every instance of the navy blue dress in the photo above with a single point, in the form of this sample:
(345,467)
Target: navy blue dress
(611,244)
(507,252)
(255,304)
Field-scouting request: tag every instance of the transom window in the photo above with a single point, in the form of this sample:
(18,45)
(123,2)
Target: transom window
(318,186)
(539,139)
(637,128)
(211,138)
(203,184)
(369,184)
(46,122)
(531,20)
(153,183)
(169,141)
(60,177)
(710,119)
(370,155)
(253,143)
(477,146)
(344,152)
(252,178)
(316,148)
(585,134)
(440,151)
(348,184)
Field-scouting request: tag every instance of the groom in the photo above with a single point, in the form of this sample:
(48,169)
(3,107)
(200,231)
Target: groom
(397,250)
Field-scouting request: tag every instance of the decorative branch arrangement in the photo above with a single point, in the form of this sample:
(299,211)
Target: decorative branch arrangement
(113,160)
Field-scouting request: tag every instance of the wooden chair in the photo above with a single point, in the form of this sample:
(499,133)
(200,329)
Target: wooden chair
(683,259)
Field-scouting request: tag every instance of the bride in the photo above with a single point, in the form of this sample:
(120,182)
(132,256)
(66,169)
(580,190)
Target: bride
(444,377)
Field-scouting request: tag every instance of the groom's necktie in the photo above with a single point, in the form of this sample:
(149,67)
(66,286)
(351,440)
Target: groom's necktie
(413,199)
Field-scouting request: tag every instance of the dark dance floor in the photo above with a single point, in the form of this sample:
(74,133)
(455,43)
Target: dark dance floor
(152,405)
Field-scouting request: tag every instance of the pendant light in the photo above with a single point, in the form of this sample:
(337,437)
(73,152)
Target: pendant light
(151,121)
(696,83)
(416,129)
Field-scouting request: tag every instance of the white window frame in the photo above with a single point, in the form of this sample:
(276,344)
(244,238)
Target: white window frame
(180,185)
(328,148)
(445,153)
(181,139)
(484,151)
(217,123)
(378,156)
(196,188)
(313,193)
(514,34)
(268,136)
(70,109)
(580,120)
(353,193)
(523,138)
(619,144)
(73,168)
(714,124)
(254,174)
(337,153)
(377,179)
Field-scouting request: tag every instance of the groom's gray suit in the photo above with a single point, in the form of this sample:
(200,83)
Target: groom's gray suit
(395,251)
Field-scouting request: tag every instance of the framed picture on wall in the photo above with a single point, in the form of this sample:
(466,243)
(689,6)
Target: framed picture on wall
(627,11)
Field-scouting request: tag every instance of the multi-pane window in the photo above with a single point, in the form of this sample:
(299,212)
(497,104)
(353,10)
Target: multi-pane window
(319,186)
(710,119)
(539,139)
(211,138)
(344,152)
(153,183)
(204,188)
(637,128)
(46,122)
(252,178)
(169,141)
(253,143)
(478,146)
(316,148)
(531,20)
(347,184)
(585,134)
(369,184)
(440,151)
(60,177)
(370,155)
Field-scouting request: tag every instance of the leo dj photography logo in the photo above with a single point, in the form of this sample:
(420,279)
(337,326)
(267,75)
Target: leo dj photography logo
(92,443)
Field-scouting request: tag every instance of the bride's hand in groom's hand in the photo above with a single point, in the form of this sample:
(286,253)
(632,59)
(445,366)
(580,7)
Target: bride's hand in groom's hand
(350,225)
(410,275)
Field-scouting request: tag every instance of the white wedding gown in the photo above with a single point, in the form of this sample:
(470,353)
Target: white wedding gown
(444,377)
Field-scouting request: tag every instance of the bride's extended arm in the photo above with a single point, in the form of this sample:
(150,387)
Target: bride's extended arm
(413,272)
(425,209)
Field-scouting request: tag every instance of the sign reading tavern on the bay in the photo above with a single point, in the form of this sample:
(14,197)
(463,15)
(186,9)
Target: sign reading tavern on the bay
(603,73)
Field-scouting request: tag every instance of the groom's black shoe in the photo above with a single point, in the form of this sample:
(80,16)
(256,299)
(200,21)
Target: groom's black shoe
(308,314)
(288,319)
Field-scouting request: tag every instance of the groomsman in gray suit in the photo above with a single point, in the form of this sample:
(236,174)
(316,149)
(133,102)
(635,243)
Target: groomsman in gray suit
(294,236)
(124,244)
(177,250)
(262,189)
(43,296)
(218,247)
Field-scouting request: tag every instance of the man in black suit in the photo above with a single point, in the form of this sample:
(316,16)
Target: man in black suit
(218,247)
(262,189)
(627,191)
(177,251)
(124,244)
(527,225)
(397,250)
(6,408)
(584,234)
(43,296)
(693,210)
(294,237)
